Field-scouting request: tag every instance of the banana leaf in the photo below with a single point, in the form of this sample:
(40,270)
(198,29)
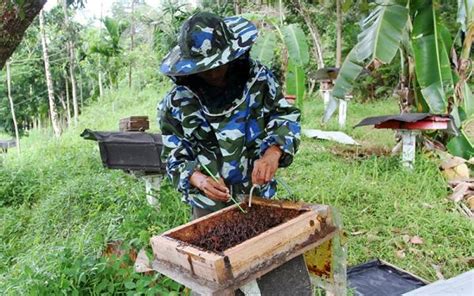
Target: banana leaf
(432,65)
(461,146)
(468,97)
(295,82)
(264,48)
(464,13)
(380,39)
(295,41)
(350,70)
(381,33)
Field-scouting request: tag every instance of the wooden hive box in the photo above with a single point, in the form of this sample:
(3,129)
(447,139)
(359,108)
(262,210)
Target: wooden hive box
(188,253)
(134,124)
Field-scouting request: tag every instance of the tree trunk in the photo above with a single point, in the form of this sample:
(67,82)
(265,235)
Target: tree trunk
(315,37)
(72,62)
(49,81)
(12,108)
(281,13)
(63,102)
(101,85)
(14,21)
(237,7)
(81,83)
(338,34)
(68,106)
(75,104)
(132,44)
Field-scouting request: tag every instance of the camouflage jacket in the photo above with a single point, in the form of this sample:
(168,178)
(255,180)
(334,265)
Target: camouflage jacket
(229,142)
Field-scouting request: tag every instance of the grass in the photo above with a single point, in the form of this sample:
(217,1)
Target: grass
(4,136)
(59,206)
(382,203)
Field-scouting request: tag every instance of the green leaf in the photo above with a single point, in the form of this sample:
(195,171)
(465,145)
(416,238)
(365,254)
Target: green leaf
(463,18)
(461,146)
(432,65)
(264,48)
(295,41)
(330,109)
(130,285)
(381,33)
(445,37)
(350,70)
(380,39)
(295,82)
(433,96)
(456,116)
(346,5)
(468,99)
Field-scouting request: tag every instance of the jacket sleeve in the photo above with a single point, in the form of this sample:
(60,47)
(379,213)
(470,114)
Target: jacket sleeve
(178,151)
(283,126)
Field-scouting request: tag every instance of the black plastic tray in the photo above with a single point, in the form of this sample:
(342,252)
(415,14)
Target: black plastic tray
(376,278)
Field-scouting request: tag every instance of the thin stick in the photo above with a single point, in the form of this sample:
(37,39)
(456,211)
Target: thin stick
(215,179)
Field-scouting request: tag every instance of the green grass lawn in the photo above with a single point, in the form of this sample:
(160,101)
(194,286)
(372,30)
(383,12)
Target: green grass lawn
(59,206)
(4,136)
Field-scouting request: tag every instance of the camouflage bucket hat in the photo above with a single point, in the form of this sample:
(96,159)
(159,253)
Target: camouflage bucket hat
(207,41)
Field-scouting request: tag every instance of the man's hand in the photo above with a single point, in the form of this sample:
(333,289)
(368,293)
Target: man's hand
(214,190)
(265,168)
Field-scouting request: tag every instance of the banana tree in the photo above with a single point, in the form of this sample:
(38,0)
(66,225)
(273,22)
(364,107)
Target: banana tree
(414,30)
(294,52)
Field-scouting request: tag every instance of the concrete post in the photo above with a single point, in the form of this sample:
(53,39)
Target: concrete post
(326,97)
(342,113)
(408,147)
(152,189)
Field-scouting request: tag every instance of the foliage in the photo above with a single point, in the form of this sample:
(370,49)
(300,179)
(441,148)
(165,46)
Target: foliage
(98,50)
(413,29)
(28,80)
(296,53)
(59,206)
(168,24)
(57,215)
(108,46)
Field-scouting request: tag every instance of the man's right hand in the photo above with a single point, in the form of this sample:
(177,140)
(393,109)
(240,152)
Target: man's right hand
(214,190)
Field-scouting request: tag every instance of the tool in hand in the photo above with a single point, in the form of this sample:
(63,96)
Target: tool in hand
(215,179)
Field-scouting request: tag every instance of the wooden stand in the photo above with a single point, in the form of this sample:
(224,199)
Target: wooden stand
(409,131)
(212,273)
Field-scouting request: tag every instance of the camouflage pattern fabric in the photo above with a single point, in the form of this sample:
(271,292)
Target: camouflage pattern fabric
(207,41)
(229,142)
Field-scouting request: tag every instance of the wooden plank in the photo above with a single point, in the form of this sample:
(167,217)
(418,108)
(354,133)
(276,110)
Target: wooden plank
(276,261)
(184,277)
(134,123)
(282,238)
(205,287)
(286,204)
(207,265)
